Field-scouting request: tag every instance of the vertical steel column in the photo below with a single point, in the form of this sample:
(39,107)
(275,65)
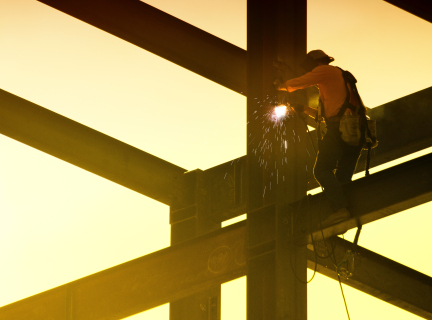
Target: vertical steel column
(277,172)
(189,218)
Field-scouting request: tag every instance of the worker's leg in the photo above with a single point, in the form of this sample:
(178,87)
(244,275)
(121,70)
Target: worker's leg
(330,151)
(347,163)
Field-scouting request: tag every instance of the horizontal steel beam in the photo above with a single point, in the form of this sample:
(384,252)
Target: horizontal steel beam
(166,275)
(165,36)
(380,195)
(377,276)
(398,124)
(420,8)
(87,148)
(193,266)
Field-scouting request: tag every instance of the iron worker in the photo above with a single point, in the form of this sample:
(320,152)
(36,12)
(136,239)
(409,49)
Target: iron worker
(336,160)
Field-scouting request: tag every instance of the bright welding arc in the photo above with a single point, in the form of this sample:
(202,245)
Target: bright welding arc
(280,112)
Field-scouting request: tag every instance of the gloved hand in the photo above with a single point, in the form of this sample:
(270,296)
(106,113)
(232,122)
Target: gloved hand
(298,108)
(277,83)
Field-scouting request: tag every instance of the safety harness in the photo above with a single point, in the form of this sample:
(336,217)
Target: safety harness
(356,128)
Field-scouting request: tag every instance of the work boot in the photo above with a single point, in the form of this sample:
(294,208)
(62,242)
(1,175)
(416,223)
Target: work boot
(337,216)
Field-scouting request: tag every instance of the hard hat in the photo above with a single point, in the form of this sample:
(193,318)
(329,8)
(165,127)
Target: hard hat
(319,54)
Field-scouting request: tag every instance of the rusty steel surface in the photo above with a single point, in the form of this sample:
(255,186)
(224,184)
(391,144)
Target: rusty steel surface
(135,286)
(87,148)
(377,276)
(164,35)
(420,8)
(380,195)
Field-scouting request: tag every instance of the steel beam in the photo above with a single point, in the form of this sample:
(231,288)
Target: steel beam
(153,177)
(276,175)
(135,286)
(178,41)
(380,195)
(420,8)
(190,217)
(378,276)
(398,124)
(87,148)
(182,270)
(164,35)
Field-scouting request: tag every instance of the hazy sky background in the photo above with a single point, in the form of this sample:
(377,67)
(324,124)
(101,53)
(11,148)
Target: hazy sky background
(59,223)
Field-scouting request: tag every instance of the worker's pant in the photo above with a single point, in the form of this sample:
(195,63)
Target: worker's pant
(335,165)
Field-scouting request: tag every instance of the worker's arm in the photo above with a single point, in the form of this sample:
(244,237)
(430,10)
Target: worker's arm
(312,78)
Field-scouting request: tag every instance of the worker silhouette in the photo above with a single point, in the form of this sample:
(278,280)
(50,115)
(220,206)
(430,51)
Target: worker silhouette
(336,160)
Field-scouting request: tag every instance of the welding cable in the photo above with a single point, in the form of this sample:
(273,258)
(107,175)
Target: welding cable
(333,258)
(340,285)
(343,296)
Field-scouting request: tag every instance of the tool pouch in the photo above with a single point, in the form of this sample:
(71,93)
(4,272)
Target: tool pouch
(350,128)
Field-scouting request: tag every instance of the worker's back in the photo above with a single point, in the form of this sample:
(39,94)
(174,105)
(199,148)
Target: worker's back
(332,88)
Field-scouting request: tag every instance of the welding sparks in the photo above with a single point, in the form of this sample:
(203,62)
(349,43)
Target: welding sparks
(273,135)
(280,111)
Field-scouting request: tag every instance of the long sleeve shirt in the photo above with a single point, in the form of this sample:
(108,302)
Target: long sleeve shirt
(331,86)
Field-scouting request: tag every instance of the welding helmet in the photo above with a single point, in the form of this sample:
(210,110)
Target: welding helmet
(312,58)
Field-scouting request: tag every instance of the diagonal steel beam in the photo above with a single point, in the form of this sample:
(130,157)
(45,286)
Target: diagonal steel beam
(135,286)
(87,148)
(398,124)
(195,265)
(379,277)
(380,195)
(420,8)
(154,177)
(165,36)
(178,41)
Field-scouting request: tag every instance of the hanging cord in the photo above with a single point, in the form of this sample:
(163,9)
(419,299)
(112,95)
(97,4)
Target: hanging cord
(343,296)
(319,217)
(310,220)
(331,254)
(354,247)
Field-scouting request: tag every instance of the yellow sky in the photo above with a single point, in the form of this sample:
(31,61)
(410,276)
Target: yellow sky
(60,223)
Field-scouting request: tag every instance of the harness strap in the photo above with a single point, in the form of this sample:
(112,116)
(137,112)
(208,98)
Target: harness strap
(318,119)
(348,78)
(360,110)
